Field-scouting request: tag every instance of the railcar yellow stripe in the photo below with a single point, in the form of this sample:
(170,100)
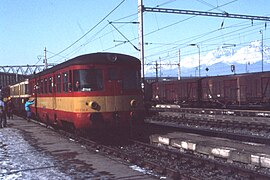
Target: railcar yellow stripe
(79,104)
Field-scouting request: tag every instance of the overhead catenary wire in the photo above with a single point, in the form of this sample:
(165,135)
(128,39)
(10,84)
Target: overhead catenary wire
(212,6)
(131,21)
(165,51)
(95,37)
(175,55)
(88,30)
(68,55)
(134,38)
(165,27)
(185,42)
(220,36)
(173,24)
(173,49)
(197,37)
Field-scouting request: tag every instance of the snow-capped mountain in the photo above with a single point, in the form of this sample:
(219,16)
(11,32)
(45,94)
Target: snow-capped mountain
(220,61)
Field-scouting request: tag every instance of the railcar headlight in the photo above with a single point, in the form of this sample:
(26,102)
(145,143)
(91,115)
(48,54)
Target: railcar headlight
(133,103)
(93,105)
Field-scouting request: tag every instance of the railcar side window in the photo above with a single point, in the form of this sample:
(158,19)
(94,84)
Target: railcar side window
(31,88)
(58,83)
(4,80)
(41,86)
(23,89)
(38,88)
(131,79)
(45,86)
(26,89)
(50,84)
(88,80)
(65,82)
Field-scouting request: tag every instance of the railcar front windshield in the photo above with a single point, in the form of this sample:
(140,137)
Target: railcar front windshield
(131,79)
(88,80)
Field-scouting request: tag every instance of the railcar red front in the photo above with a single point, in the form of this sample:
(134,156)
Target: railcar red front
(93,90)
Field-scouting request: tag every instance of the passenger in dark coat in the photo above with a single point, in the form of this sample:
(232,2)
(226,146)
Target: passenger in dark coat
(3,120)
(10,109)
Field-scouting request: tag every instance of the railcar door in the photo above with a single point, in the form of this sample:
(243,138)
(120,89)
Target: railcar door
(52,92)
(230,90)
(114,89)
(265,81)
(35,89)
(57,91)
(170,92)
(36,96)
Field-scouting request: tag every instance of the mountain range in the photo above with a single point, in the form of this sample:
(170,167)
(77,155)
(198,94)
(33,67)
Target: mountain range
(221,61)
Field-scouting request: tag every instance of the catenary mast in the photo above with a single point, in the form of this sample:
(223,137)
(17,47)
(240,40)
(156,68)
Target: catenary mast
(141,39)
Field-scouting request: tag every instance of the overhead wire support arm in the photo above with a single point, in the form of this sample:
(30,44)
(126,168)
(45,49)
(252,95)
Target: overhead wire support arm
(205,13)
(123,35)
(117,22)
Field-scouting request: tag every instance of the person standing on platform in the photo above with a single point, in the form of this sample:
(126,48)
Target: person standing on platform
(10,108)
(2,113)
(27,108)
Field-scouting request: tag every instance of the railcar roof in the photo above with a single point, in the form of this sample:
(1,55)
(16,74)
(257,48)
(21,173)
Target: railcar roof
(95,58)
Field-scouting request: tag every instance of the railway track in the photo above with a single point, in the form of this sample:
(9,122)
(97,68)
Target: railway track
(176,165)
(244,125)
(167,162)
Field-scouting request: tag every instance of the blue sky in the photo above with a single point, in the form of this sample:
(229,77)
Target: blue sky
(28,26)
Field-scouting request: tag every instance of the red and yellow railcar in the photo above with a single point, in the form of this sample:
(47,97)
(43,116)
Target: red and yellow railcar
(89,91)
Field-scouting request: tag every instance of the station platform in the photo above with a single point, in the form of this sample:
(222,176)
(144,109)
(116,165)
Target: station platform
(212,147)
(31,151)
